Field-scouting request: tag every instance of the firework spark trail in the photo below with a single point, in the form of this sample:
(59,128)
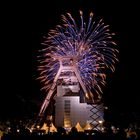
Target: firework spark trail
(90,44)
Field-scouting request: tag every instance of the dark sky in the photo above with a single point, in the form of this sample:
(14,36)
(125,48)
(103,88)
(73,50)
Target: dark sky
(24,24)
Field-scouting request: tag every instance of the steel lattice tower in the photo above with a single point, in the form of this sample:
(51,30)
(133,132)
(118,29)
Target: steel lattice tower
(77,55)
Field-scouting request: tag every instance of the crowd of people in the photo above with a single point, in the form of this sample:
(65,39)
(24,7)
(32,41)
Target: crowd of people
(22,132)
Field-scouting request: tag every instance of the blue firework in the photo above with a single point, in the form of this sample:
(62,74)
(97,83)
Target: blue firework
(90,44)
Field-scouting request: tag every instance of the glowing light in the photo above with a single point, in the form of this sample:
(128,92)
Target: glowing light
(37,126)
(100,121)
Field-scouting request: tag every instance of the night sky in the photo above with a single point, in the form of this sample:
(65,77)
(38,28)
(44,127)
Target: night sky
(24,25)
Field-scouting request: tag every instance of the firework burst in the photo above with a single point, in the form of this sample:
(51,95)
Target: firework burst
(90,45)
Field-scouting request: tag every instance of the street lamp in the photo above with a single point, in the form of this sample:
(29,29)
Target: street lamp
(100,122)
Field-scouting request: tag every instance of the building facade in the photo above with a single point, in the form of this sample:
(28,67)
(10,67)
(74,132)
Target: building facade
(69,109)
